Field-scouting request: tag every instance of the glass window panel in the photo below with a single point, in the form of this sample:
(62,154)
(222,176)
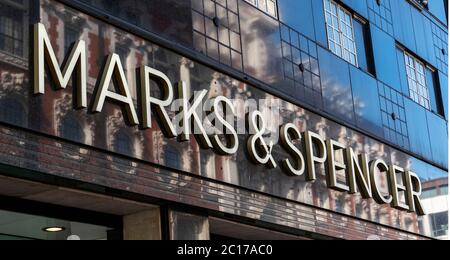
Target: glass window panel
(341,38)
(418,88)
(198,22)
(232,5)
(235,40)
(11,29)
(267,6)
(225,55)
(211,29)
(210,8)
(224,36)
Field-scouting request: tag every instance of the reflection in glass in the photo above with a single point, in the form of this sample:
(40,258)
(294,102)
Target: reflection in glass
(341,37)
(267,6)
(12,111)
(418,89)
(172,157)
(122,142)
(71,129)
(263,60)
(435,199)
(11,29)
(166,18)
(217,31)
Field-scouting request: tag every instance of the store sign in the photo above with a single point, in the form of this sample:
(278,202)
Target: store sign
(360,174)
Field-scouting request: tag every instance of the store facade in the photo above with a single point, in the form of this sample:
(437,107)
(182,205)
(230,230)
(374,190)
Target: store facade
(336,121)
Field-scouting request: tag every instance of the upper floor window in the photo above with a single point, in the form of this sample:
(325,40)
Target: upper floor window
(418,90)
(349,36)
(423,84)
(11,30)
(267,6)
(341,36)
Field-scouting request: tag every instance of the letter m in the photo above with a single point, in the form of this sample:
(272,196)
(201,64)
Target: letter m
(44,54)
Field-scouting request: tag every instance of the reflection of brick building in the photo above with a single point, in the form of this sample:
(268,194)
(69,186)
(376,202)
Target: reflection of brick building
(71,165)
(13,51)
(435,194)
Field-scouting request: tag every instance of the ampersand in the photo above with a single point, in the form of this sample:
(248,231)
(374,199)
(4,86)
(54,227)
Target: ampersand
(257,147)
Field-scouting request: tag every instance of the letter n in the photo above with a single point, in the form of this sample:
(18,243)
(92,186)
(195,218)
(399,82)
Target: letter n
(44,53)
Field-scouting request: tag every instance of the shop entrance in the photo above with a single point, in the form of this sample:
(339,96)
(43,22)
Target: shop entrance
(224,230)
(19,226)
(35,211)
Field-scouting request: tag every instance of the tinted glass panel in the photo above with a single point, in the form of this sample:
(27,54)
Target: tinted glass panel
(363,46)
(403,24)
(167,18)
(107,131)
(438,9)
(438,136)
(367,108)
(418,128)
(261,45)
(319,22)
(337,92)
(443,80)
(298,14)
(385,58)
(435,92)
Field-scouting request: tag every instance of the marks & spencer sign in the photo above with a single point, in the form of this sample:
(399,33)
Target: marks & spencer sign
(212,122)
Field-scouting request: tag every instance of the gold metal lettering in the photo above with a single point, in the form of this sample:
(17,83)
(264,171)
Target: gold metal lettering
(395,187)
(43,52)
(232,139)
(414,196)
(311,159)
(148,102)
(334,166)
(114,68)
(190,116)
(257,148)
(377,195)
(290,133)
(358,173)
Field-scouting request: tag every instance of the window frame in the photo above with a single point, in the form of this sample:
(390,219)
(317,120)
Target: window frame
(256,3)
(16,37)
(341,32)
(420,80)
